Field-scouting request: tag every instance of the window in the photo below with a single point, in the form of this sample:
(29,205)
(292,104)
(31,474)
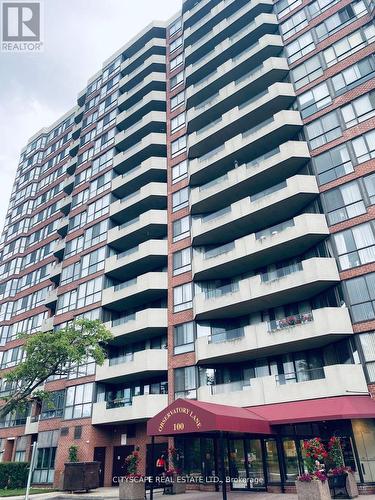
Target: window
(176,26)
(367,341)
(361,293)
(183,336)
(179,172)
(45,463)
(54,406)
(176,80)
(89,292)
(315,99)
(180,199)
(338,20)
(323,130)
(185,382)
(369,183)
(333,164)
(294,24)
(175,44)
(177,100)
(182,261)
(178,146)
(355,246)
(181,228)
(176,61)
(99,208)
(364,146)
(21,446)
(307,72)
(344,203)
(359,110)
(182,297)
(79,401)
(349,44)
(177,122)
(283,7)
(319,6)
(353,75)
(300,47)
(83,370)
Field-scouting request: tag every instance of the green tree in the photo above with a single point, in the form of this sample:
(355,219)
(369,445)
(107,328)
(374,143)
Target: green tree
(52,353)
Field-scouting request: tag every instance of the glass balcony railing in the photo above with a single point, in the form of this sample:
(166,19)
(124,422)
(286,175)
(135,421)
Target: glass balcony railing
(215,215)
(126,253)
(222,290)
(268,191)
(126,284)
(123,320)
(290,321)
(214,252)
(281,272)
(274,230)
(238,385)
(226,336)
(129,223)
(300,376)
(118,360)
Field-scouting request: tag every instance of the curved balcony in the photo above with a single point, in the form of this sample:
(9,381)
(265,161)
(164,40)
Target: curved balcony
(241,118)
(141,364)
(248,295)
(154,63)
(141,408)
(289,239)
(152,254)
(250,178)
(243,40)
(154,46)
(150,196)
(154,144)
(153,101)
(244,147)
(150,170)
(301,331)
(59,249)
(65,204)
(141,325)
(334,380)
(62,228)
(153,81)
(154,121)
(74,146)
(149,225)
(234,68)
(47,325)
(282,202)
(273,70)
(145,288)
(55,272)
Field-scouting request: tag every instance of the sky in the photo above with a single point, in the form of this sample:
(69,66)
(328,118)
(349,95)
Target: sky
(37,88)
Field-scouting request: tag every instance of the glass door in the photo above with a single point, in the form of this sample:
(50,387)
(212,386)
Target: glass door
(237,464)
(255,470)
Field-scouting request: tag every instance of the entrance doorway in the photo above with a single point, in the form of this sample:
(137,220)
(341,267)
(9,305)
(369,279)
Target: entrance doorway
(245,464)
(160,449)
(119,467)
(99,456)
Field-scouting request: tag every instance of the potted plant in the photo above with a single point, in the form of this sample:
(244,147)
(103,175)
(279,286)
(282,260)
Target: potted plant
(340,477)
(80,476)
(173,474)
(132,486)
(313,484)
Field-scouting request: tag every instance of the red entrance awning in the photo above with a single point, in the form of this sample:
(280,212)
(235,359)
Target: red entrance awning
(186,416)
(336,408)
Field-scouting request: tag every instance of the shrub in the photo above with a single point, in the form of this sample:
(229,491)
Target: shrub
(73,453)
(13,475)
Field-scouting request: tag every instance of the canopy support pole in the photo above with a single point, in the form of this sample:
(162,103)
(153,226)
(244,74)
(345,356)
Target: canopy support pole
(222,465)
(152,467)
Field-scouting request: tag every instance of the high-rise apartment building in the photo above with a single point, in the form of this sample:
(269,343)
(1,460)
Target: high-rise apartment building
(210,198)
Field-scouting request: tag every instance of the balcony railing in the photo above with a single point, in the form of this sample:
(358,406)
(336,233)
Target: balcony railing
(300,376)
(227,336)
(123,319)
(238,385)
(126,284)
(290,321)
(222,249)
(281,272)
(222,290)
(126,358)
(274,230)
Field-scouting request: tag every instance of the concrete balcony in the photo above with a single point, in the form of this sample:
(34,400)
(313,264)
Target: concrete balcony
(153,81)
(273,70)
(32,425)
(69,184)
(150,170)
(290,238)
(71,166)
(143,289)
(246,216)
(153,101)
(249,178)
(51,299)
(234,69)
(244,147)
(150,196)
(193,33)
(76,130)
(304,331)
(153,46)
(231,28)
(154,144)
(81,97)
(248,295)
(64,204)
(334,380)
(144,324)
(55,272)
(241,118)
(149,225)
(62,228)
(142,408)
(59,249)
(154,63)
(244,40)
(140,365)
(154,121)
(47,325)
(152,254)
(74,147)
(79,114)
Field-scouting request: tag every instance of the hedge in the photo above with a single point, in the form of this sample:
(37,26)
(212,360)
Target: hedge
(13,475)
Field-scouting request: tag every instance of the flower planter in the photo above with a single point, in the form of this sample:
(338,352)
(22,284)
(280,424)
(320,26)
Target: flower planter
(343,486)
(131,490)
(174,486)
(313,490)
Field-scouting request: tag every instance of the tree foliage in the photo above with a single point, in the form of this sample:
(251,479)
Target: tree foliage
(52,353)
